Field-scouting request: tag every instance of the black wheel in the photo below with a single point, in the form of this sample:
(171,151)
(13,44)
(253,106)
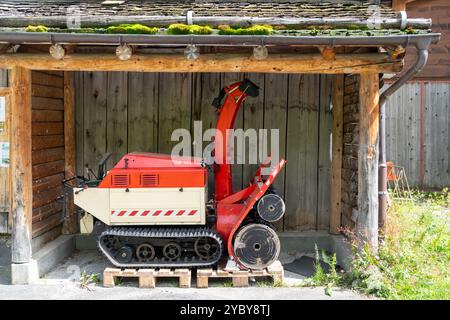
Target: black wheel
(124,254)
(145,252)
(207,248)
(112,242)
(172,251)
(256,246)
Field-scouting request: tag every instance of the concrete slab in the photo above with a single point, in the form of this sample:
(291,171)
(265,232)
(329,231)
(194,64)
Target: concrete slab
(70,291)
(53,253)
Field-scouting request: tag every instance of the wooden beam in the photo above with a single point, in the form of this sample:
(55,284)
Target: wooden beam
(20,162)
(336,156)
(275,63)
(4,91)
(399,5)
(70,225)
(367,219)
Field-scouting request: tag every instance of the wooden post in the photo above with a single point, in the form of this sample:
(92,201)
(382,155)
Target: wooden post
(21,173)
(367,220)
(336,156)
(70,224)
(399,5)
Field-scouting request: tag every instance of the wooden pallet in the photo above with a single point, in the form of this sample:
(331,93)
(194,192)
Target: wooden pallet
(147,277)
(240,277)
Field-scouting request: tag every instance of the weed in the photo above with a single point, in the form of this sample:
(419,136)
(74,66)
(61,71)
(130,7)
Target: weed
(227,283)
(412,262)
(88,279)
(118,281)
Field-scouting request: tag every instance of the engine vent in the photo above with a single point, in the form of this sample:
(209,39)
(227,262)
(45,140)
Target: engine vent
(120,180)
(149,180)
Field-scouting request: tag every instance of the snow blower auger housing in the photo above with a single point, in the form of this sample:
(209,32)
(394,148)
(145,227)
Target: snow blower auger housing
(158,214)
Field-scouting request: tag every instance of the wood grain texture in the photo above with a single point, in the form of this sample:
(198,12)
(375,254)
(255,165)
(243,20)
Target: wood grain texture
(337,149)
(275,63)
(70,225)
(324,156)
(367,219)
(5,171)
(48,146)
(79,121)
(117,117)
(275,117)
(205,87)
(302,154)
(95,116)
(174,107)
(143,99)
(21,170)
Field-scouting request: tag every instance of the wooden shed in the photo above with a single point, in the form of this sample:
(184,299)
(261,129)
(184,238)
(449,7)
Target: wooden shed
(320,87)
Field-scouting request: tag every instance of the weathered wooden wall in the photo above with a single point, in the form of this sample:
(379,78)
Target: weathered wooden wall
(420,109)
(124,112)
(438,65)
(47,150)
(4,171)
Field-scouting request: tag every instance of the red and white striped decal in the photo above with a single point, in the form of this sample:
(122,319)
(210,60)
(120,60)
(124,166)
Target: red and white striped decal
(153,213)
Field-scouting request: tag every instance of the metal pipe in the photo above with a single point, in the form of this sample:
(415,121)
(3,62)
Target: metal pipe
(212,40)
(422,47)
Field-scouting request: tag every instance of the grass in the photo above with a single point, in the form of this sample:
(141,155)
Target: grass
(413,262)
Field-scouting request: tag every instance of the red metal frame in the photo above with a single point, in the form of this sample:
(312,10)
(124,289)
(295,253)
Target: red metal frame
(227,116)
(232,208)
(151,170)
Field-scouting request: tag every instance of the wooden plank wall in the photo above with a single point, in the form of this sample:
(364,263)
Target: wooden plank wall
(403,132)
(123,112)
(48,150)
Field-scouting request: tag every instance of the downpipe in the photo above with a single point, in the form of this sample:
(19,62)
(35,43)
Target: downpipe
(422,47)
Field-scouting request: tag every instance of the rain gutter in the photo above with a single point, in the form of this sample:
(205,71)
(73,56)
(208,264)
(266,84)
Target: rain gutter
(213,40)
(422,47)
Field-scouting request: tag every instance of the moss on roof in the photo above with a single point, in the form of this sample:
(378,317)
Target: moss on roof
(182,29)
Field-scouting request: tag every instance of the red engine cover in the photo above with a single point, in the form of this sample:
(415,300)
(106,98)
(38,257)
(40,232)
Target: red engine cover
(152,170)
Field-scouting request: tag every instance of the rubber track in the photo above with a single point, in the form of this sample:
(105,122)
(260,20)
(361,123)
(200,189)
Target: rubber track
(167,232)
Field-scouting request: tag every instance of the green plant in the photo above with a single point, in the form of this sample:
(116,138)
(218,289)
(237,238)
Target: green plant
(38,28)
(87,279)
(132,29)
(180,28)
(227,283)
(414,260)
(118,281)
(328,279)
(253,30)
